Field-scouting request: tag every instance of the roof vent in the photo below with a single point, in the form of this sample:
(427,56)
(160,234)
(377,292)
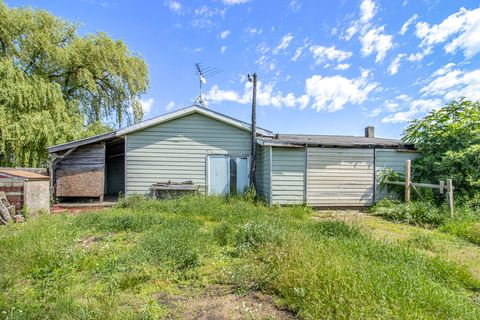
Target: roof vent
(370,132)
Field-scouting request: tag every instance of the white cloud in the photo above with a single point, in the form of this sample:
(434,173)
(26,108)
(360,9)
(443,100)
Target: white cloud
(416,108)
(368,9)
(223,49)
(325,93)
(407,24)
(298,53)
(284,43)
(234,2)
(464,24)
(375,40)
(332,93)
(295,5)
(147,105)
(266,96)
(205,17)
(174,6)
(452,84)
(395,65)
(253,31)
(342,66)
(224,34)
(322,54)
(170,106)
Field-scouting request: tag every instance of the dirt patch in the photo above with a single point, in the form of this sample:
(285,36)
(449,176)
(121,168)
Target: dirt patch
(219,303)
(88,241)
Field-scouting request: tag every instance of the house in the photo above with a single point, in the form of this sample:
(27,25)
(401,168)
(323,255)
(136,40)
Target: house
(213,151)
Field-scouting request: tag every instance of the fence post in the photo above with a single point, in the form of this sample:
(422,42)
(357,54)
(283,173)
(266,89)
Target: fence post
(441,186)
(450,196)
(408,167)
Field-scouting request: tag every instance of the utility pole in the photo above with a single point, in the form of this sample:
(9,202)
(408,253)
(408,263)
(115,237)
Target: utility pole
(253,79)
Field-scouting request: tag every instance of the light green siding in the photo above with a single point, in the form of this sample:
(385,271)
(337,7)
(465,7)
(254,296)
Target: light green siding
(393,159)
(288,174)
(340,177)
(176,151)
(263,172)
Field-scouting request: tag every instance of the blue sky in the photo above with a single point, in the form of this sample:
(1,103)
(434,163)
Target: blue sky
(324,67)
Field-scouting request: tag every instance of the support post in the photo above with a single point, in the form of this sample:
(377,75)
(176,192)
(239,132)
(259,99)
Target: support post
(254,130)
(450,196)
(441,186)
(408,168)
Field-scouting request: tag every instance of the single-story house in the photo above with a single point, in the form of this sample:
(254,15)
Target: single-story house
(213,151)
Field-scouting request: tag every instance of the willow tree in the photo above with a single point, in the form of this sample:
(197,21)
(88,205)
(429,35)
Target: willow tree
(56,85)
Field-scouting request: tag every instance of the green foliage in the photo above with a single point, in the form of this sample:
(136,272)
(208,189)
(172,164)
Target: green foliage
(449,139)
(468,230)
(56,85)
(416,212)
(115,264)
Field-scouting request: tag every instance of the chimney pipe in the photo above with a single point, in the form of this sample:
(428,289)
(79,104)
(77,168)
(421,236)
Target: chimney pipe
(370,132)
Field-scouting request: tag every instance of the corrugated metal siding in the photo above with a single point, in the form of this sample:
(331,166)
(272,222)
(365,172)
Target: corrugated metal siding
(263,172)
(177,150)
(340,176)
(394,159)
(288,174)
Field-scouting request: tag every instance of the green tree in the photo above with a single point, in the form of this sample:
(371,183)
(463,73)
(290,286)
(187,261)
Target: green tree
(449,139)
(56,85)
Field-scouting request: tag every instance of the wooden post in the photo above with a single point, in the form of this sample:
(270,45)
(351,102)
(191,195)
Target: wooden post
(408,167)
(253,161)
(450,196)
(441,186)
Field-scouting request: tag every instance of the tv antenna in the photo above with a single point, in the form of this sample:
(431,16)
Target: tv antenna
(203,73)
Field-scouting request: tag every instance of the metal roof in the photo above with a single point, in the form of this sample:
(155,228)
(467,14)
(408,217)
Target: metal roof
(289,140)
(158,120)
(24,174)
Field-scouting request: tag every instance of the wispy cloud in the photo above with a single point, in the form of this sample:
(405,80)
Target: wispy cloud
(284,43)
(322,54)
(224,34)
(407,24)
(175,6)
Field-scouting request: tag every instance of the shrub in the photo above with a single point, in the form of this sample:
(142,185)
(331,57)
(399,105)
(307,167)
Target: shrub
(416,212)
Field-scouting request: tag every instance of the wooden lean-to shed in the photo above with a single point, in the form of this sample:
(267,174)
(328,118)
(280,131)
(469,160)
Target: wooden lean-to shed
(27,189)
(200,149)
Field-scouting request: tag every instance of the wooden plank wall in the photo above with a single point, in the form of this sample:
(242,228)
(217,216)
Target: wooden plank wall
(288,174)
(82,172)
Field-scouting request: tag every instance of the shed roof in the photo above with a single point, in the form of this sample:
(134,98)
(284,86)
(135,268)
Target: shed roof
(158,120)
(24,174)
(288,140)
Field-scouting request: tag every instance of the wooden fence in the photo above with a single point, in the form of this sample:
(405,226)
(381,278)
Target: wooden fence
(441,186)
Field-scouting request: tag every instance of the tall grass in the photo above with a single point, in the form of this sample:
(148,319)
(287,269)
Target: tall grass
(465,223)
(115,263)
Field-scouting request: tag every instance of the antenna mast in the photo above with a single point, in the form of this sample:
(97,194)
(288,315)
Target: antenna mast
(203,74)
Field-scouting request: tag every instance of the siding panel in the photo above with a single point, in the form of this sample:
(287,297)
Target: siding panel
(340,177)
(288,174)
(176,151)
(263,172)
(394,159)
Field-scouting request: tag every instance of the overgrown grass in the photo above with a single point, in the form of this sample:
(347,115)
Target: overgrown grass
(115,263)
(465,224)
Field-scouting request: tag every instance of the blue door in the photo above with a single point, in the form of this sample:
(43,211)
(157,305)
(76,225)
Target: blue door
(218,175)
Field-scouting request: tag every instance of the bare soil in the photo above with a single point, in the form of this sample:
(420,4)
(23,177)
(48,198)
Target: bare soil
(220,302)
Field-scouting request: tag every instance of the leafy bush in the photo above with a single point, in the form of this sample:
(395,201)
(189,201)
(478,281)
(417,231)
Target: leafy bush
(449,140)
(416,212)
